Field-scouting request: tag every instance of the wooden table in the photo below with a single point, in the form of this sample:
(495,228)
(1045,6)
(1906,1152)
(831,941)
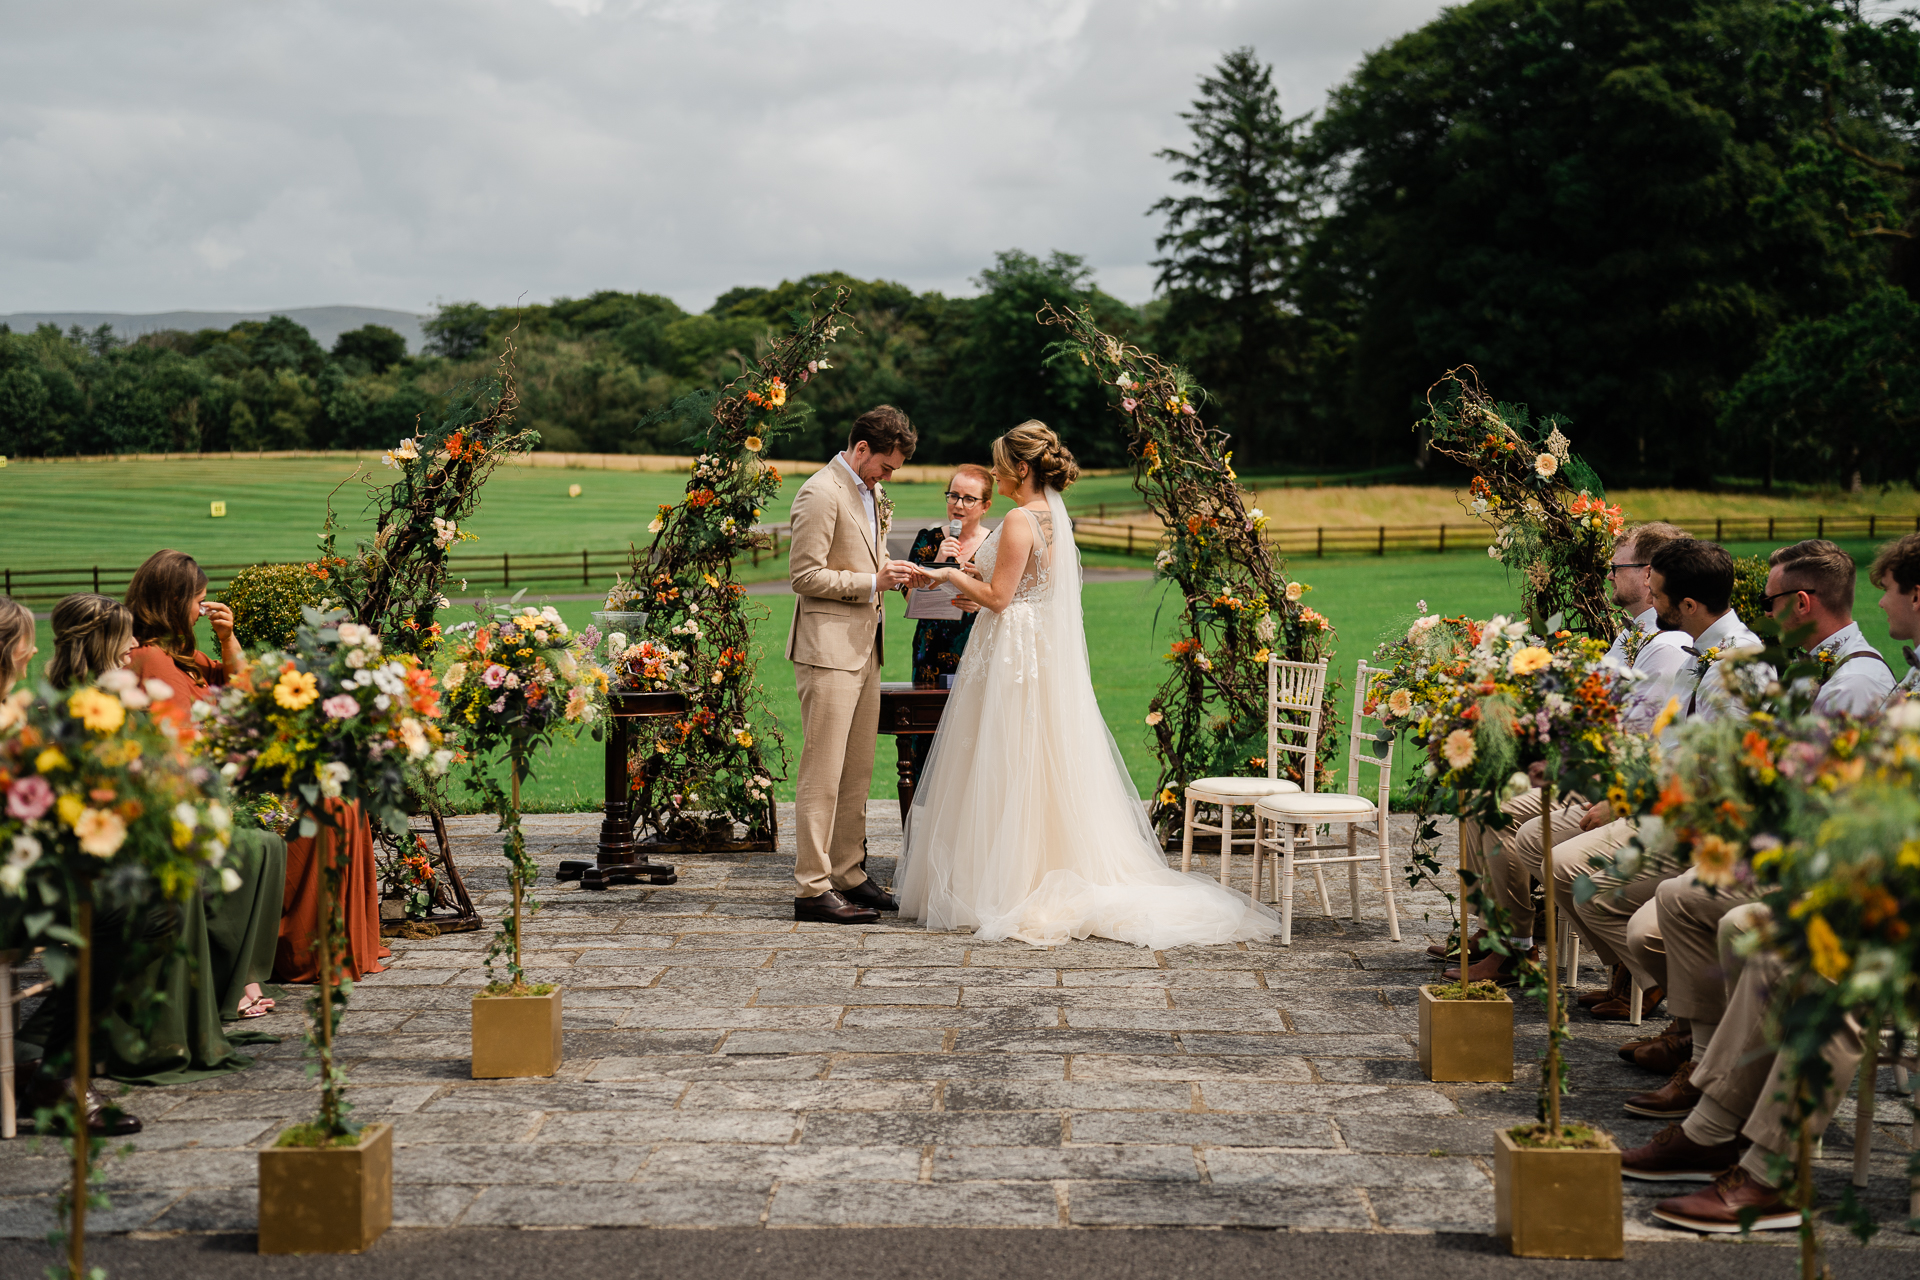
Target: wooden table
(907,712)
(618,860)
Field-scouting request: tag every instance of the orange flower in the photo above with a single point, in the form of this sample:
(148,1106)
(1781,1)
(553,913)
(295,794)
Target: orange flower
(1672,796)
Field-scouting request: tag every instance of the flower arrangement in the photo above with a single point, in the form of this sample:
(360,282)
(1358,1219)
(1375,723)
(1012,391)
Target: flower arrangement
(624,596)
(519,676)
(1552,524)
(654,668)
(1239,609)
(394,582)
(101,808)
(698,778)
(331,721)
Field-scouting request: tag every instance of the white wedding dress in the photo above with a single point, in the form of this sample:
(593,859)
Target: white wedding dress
(1025,823)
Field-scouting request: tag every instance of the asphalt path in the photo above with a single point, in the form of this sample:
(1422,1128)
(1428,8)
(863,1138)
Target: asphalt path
(942,1254)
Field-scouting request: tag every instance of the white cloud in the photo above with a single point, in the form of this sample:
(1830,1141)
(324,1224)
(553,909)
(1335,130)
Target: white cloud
(227,154)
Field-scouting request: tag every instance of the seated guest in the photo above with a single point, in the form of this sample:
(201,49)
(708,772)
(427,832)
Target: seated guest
(1513,862)
(16,643)
(939,642)
(1810,585)
(1896,571)
(168,597)
(1741,1095)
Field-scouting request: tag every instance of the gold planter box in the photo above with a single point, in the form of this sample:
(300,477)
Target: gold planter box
(1557,1204)
(516,1036)
(1466,1040)
(327,1200)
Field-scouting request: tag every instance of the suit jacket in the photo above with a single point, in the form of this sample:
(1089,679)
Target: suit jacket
(837,618)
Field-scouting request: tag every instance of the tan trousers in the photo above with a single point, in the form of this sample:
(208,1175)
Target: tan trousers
(1740,1077)
(1689,923)
(1604,918)
(839,727)
(1516,863)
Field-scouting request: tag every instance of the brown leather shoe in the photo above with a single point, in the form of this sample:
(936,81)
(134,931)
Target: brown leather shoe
(1504,970)
(1674,1157)
(1619,987)
(105,1119)
(1717,1208)
(1663,1054)
(1671,1101)
(871,896)
(832,907)
(1476,947)
(1678,1027)
(1622,1009)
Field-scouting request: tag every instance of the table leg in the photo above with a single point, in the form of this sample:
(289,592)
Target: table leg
(903,745)
(617,860)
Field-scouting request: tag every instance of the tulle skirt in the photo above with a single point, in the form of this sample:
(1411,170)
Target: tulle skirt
(1025,824)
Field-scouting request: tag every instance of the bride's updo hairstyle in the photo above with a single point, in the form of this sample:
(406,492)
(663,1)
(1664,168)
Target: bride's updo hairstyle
(1034,443)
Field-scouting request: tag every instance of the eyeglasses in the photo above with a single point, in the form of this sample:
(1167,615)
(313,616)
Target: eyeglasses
(963,499)
(1615,568)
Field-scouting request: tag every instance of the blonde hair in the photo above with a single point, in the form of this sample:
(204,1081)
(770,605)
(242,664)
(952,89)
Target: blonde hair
(1034,443)
(89,634)
(1648,538)
(16,631)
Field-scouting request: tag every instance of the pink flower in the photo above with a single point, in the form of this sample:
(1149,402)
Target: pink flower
(1128,403)
(1186,408)
(29,797)
(340,706)
(493,676)
(498,705)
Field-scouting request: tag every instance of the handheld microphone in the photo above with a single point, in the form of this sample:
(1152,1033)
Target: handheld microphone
(953,531)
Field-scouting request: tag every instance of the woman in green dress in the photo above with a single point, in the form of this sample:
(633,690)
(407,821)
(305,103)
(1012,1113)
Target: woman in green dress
(939,642)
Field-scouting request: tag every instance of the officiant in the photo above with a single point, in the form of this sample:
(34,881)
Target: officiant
(938,642)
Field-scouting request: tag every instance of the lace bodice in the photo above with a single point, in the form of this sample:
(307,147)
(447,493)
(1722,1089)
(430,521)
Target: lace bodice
(1037,578)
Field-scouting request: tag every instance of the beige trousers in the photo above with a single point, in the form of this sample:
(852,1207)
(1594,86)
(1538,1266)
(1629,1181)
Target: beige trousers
(1740,1076)
(1689,915)
(839,728)
(1604,918)
(1516,863)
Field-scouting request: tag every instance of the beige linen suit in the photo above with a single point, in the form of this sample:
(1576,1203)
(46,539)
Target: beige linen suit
(836,649)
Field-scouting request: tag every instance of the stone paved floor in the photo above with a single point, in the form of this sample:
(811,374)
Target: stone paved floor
(727,1067)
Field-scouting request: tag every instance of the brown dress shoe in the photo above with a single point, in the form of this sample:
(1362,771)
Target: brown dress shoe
(871,896)
(832,907)
(1674,1157)
(1671,1101)
(1619,987)
(1717,1208)
(105,1119)
(1476,947)
(1622,1009)
(1663,1054)
(1504,970)
(1679,1028)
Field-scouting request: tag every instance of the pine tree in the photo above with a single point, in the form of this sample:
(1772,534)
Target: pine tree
(1232,243)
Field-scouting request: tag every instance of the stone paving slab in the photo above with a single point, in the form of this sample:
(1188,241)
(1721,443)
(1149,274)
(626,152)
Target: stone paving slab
(727,1067)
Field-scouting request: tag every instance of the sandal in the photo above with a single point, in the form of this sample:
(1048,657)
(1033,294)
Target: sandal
(256,1007)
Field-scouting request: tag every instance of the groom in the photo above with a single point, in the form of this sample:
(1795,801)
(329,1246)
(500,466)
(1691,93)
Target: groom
(839,570)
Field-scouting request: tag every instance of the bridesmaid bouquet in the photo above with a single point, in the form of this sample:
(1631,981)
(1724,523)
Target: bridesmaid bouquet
(332,718)
(518,677)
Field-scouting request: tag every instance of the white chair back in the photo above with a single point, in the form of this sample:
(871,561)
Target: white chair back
(1294,694)
(1369,740)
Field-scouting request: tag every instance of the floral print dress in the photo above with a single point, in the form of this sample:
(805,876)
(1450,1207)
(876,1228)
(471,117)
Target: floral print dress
(937,642)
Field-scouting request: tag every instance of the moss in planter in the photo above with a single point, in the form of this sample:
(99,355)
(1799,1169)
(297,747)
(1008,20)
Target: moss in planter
(315,1137)
(528,989)
(1485,989)
(1573,1137)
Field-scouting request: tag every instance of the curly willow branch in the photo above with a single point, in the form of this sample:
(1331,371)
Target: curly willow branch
(1210,717)
(697,777)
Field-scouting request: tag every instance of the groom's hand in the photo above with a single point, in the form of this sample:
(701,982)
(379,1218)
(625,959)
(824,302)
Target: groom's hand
(896,573)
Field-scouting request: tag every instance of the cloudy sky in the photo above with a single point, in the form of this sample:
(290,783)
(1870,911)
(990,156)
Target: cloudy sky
(217,154)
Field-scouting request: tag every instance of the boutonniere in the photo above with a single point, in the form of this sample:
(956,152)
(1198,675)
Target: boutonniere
(1707,656)
(1634,644)
(884,505)
(1828,658)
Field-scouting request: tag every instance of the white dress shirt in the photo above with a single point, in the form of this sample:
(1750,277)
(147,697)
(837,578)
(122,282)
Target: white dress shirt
(1909,686)
(1857,686)
(873,517)
(1705,695)
(1662,657)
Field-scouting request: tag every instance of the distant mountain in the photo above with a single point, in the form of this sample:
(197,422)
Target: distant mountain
(324,323)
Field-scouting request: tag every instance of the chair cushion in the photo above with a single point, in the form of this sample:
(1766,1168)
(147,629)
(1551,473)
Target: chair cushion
(1321,806)
(1247,787)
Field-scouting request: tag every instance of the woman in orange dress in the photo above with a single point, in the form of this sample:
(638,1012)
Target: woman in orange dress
(168,597)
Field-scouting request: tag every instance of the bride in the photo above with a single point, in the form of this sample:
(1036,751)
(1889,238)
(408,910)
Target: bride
(1025,823)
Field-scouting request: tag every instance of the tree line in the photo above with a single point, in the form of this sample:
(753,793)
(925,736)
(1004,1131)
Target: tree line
(1685,225)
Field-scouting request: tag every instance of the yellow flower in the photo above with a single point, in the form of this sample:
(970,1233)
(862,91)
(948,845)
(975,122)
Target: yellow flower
(1166,795)
(99,710)
(744,738)
(1714,858)
(296,689)
(1665,718)
(1909,855)
(70,807)
(119,753)
(1263,655)
(101,832)
(754,444)
(1529,660)
(711,580)
(52,760)
(1830,959)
